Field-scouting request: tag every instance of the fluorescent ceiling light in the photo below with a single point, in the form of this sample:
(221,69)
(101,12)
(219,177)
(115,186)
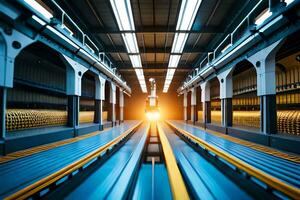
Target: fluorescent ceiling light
(130,42)
(187,14)
(135,61)
(123,13)
(38,7)
(262,17)
(174,60)
(179,42)
(288,1)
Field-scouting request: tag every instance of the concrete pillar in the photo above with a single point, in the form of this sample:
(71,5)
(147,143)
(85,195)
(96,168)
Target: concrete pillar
(74,74)
(99,98)
(205,99)
(226,92)
(264,62)
(193,105)
(121,104)
(185,106)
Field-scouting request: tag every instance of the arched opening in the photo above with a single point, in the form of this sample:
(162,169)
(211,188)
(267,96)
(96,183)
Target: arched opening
(288,85)
(215,101)
(245,102)
(38,98)
(87,98)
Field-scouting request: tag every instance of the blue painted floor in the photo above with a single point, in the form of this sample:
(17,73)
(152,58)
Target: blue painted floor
(152,183)
(17,174)
(203,178)
(284,170)
(112,179)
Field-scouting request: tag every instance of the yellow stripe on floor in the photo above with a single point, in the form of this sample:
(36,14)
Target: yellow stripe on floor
(258,147)
(178,188)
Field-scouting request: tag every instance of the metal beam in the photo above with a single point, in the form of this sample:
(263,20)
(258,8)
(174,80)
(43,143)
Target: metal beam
(122,49)
(157,29)
(157,65)
(153,70)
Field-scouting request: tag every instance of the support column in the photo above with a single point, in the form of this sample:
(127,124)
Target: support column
(226,92)
(268,113)
(74,74)
(98,113)
(226,108)
(264,62)
(113,103)
(185,106)
(121,104)
(205,99)
(99,98)
(193,106)
(3,95)
(73,111)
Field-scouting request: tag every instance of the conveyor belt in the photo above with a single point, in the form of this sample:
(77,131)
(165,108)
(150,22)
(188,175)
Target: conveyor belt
(21,174)
(34,150)
(267,150)
(112,180)
(205,181)
(276,172)
(152,183)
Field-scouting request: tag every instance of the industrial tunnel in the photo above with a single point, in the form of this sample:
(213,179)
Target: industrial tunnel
(147,99)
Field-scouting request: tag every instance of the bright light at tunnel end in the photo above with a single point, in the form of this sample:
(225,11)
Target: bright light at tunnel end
(153,115)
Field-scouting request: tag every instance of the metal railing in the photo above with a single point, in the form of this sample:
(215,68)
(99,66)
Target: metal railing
(242,30)
(70,29)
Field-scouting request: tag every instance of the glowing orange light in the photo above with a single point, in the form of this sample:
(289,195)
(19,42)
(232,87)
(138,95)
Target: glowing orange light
(152,116)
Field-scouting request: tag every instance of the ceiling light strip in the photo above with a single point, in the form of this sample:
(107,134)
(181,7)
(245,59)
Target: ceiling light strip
(186,18)
(123,14)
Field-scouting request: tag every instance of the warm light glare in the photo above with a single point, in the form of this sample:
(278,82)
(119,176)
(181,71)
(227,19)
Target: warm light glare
(38,7)
(153,116)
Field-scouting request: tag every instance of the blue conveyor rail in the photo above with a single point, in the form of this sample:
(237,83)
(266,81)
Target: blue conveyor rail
(114,178)
(205,181)
(18,175)
(277,171)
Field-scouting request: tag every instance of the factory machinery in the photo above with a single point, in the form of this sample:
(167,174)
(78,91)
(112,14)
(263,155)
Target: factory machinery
(151,160)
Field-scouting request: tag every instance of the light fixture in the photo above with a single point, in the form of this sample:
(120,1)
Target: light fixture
(135,61)
(123,13)
(186,18)
(262,17)
(130,42)
(179,42)
(187,14)
(173,61)
(288,1)
(38,7)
